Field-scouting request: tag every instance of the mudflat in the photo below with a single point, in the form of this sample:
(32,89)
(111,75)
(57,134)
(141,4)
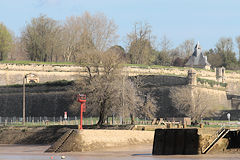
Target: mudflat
(138,152)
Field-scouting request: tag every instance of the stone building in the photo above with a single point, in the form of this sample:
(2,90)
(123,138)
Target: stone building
(198,60)
(220,74)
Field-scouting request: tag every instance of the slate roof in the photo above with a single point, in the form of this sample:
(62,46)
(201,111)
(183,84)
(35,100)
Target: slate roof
(197,59)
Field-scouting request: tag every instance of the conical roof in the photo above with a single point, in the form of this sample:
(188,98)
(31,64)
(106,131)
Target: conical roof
(197,59)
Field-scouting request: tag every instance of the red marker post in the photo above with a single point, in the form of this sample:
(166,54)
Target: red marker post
(82,99)
(65,116)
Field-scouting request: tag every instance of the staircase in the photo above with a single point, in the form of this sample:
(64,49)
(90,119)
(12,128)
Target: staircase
(220,134)
(57,145)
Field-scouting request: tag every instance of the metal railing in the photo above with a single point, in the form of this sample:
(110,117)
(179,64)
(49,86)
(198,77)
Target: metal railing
(44,120)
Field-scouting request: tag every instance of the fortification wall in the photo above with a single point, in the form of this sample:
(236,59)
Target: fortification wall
(166,108)
(54,100)
(14,73)
(153,86)
(40,101)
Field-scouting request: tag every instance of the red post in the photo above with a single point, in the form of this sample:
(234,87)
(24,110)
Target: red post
(81,116)
(82,100)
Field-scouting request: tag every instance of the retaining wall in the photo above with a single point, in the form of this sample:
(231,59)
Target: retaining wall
(40,101)
(89,140)
(14,73)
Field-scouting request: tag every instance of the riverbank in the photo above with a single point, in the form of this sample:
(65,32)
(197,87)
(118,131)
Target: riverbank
(45,135)
(69,139)
(89,140)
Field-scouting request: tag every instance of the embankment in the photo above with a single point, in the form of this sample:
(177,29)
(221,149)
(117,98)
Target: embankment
(88,140)
(32,135)
(84,140)
(69,139)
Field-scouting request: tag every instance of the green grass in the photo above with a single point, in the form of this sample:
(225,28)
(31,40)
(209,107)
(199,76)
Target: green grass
(211,82)
(72,63)
(165,67)
(50,84)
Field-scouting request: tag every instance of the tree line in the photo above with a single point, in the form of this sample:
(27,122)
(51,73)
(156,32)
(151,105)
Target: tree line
(45,39)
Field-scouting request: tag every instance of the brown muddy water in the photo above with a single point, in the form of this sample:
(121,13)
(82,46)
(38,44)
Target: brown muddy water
(138,152)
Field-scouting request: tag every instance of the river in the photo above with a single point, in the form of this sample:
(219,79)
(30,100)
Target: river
(138,152)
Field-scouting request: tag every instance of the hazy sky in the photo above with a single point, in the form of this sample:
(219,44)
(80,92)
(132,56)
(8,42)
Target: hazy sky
(203,20)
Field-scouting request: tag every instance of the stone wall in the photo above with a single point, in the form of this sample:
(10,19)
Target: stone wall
(14,73)
(159,88)
(40,101)
(54,100)
(90,140)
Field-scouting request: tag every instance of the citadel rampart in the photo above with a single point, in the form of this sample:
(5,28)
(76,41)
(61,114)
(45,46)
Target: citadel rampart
(159,87)
(47,100)
(14,73)
(41,100)
(53,101)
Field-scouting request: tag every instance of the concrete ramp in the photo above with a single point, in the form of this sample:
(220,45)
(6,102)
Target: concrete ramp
(175,141)
(56,147)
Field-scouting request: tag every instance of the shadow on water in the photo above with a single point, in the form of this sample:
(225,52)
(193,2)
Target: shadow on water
(142,154)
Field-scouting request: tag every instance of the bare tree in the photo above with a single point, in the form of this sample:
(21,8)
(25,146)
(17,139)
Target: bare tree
(148,108)
(40,38)
(224,48)
(103,87)
(193,102)
(225,45)
(108,90)
(165,44)
(87,32)
(140,45)
(17,52)
(187,47)
(163,56)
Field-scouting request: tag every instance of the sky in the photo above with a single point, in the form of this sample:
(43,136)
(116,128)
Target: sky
(202,20)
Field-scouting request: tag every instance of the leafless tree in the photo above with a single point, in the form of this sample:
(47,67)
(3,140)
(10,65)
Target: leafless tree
(40,38)
(224,48)
(193,102)
(187,48)
(88,32)
(165,44)
(224,45)
(102,88)
(140,44)
(148,108)
(17,52)
(109,91)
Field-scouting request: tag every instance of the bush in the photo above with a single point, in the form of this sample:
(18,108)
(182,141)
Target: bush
(211,82)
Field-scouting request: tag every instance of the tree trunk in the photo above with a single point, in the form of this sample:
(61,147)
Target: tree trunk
(132,118)
(101,118)
(102,113)
(1,56)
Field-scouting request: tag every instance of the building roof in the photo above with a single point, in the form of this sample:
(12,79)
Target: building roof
(197,59)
